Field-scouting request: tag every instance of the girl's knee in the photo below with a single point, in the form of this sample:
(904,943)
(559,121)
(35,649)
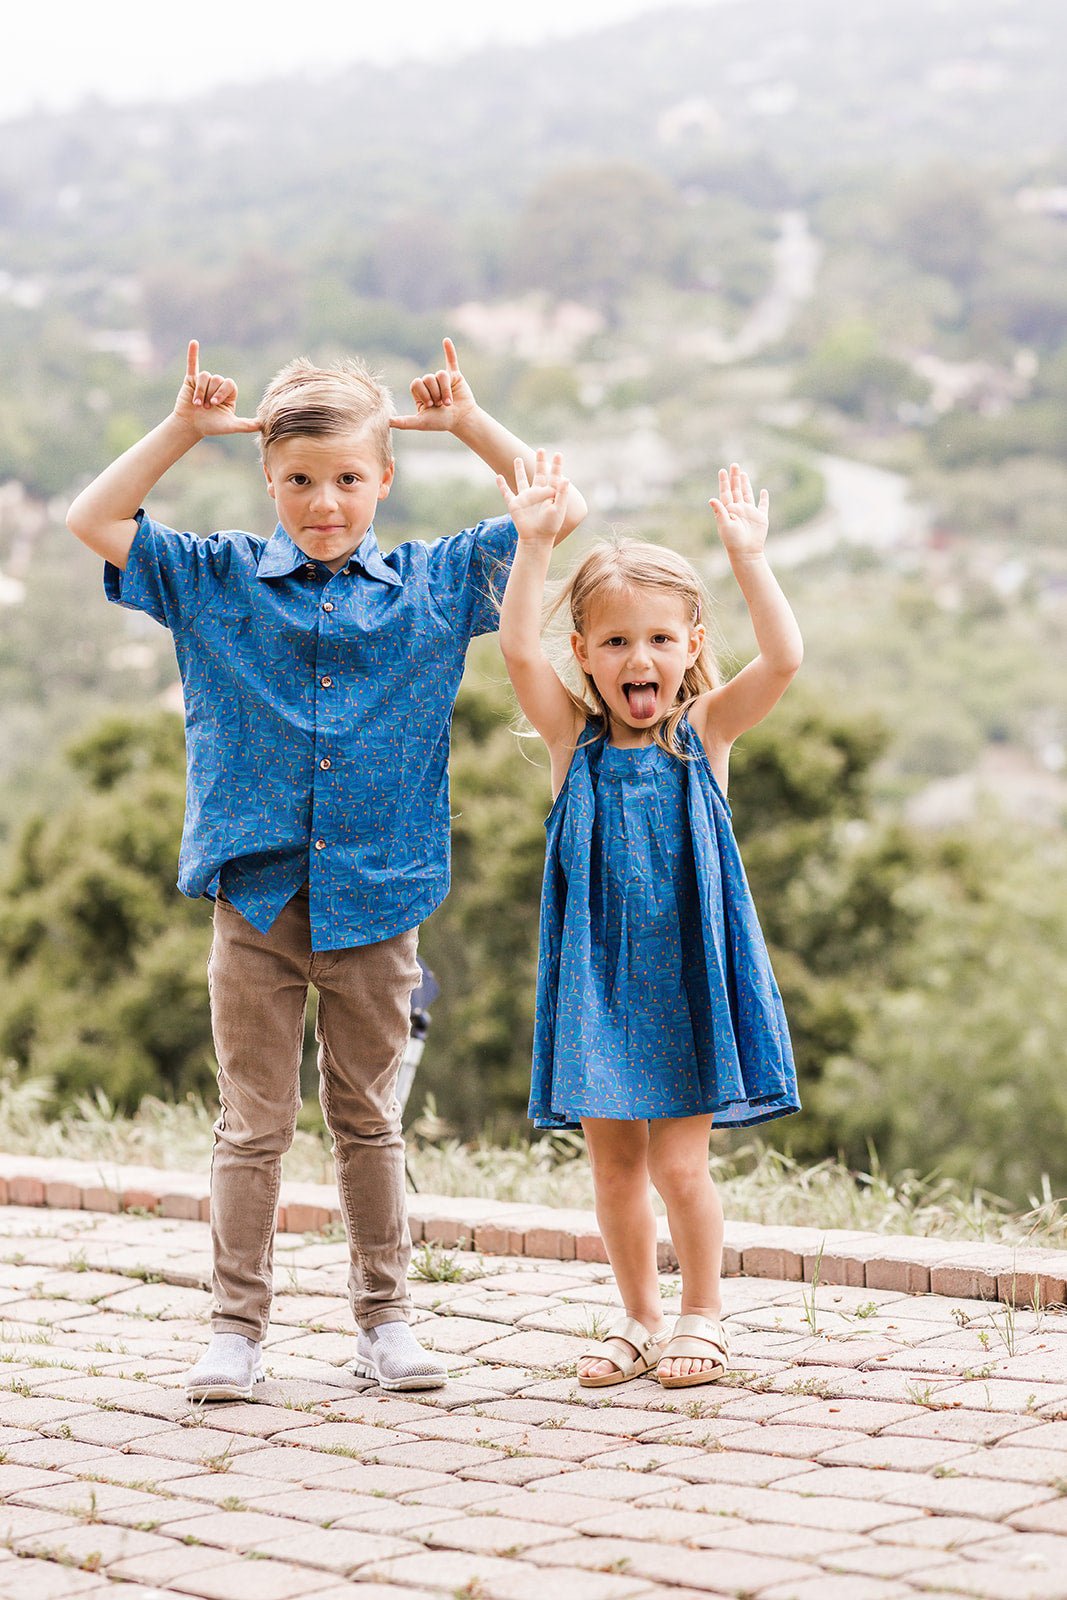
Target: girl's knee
(676,1175)
(618,1178)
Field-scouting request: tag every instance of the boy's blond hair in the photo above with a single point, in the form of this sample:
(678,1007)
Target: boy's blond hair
(619,566)
(303,399)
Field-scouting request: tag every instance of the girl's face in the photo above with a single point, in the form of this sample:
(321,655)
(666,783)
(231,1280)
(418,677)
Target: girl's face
(636,648)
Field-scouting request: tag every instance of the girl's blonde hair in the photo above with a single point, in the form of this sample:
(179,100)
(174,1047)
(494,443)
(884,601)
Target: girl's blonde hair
(619,567)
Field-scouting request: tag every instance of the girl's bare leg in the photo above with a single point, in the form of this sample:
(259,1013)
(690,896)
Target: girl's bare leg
(618,1155)
(678,1167)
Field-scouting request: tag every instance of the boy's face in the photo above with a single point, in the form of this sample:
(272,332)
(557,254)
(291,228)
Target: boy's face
(326,490)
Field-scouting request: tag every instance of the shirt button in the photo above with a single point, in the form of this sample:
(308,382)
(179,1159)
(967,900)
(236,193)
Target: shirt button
(327,683)
(327,605)
(320,844)
(325,763)
(310,569)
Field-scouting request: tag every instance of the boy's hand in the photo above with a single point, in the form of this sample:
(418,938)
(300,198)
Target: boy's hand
(538,509)
(443,399)
(742,524)
(208,403)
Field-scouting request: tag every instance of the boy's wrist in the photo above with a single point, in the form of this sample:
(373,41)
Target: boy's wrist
(470,423)
(181,431)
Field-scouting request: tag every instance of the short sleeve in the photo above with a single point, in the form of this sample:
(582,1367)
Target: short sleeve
(467,574)
(169,575)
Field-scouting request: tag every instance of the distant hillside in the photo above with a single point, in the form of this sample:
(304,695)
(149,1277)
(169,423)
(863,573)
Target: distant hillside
(708,96)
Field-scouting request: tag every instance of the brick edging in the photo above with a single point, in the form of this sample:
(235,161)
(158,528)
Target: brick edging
(1021,1275)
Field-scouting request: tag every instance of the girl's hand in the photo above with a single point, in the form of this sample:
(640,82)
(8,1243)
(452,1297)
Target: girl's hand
(539,507)
(742,524)
(443,399)
(207,402)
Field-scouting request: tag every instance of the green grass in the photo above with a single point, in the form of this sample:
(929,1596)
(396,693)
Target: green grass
(757,1184)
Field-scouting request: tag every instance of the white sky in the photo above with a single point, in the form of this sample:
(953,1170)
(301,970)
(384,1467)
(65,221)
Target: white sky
(59,53)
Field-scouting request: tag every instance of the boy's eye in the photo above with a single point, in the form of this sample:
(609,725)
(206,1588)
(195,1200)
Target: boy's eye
(349,478)
(298,479)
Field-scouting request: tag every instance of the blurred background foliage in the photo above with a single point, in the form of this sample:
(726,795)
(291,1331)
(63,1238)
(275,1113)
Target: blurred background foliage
(845,265)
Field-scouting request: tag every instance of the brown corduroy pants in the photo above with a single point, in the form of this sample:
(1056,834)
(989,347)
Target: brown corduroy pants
(258,984)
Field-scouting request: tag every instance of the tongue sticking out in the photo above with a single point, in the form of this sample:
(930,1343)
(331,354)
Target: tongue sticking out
(641,698)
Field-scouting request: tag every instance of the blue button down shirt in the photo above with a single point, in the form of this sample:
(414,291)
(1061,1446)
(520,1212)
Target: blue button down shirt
(318,707)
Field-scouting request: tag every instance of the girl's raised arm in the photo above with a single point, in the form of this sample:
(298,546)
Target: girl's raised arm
(538,510)
(722,715)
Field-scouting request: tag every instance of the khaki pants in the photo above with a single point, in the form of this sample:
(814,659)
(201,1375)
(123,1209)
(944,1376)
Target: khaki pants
(258,984)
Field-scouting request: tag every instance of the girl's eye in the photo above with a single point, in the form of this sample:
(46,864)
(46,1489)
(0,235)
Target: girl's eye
(615,640)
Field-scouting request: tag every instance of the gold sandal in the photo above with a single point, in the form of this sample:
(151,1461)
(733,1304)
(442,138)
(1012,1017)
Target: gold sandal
(647,1351)
(699,1338)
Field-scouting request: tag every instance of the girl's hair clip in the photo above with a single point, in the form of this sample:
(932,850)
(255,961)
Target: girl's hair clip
(697,617)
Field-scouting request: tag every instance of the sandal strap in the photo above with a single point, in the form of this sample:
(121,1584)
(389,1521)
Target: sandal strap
(693,1336)
(637,1334)
(634,1333)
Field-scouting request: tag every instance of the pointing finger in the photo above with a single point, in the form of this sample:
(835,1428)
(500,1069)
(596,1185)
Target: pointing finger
(192,359)
(451,358)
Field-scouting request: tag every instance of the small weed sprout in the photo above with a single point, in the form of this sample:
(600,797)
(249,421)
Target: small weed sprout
(433,1264)
(811,1310)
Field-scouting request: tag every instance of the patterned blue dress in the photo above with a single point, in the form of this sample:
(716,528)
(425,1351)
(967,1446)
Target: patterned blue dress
(655,995)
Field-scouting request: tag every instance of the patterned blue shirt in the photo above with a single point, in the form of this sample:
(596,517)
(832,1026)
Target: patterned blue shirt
(318,707)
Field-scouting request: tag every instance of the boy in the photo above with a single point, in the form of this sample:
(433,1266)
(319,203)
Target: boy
(319,680)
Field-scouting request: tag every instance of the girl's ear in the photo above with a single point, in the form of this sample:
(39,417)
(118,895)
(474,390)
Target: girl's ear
(697,636)
(581,655)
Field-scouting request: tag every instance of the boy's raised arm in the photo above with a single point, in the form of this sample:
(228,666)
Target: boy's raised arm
(103,515)
(444,403)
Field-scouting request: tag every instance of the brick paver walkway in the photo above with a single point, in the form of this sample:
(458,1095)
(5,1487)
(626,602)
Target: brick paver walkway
(867,1445)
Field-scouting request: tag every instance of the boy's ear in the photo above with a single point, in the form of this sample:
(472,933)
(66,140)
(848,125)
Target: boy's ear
(387,480)
(270,480)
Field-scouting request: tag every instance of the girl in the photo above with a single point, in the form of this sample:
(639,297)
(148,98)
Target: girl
(657,1010)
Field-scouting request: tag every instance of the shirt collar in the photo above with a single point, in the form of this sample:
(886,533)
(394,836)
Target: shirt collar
(281,556)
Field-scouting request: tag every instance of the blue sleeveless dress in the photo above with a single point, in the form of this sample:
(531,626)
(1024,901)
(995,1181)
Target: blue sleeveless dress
(655,995)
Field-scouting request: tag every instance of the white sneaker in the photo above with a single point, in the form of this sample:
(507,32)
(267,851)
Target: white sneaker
(394,1358)
(229,1369)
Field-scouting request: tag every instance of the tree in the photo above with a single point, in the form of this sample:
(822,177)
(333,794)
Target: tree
(595,233)
(944,222)
(103,959)
(849,371)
